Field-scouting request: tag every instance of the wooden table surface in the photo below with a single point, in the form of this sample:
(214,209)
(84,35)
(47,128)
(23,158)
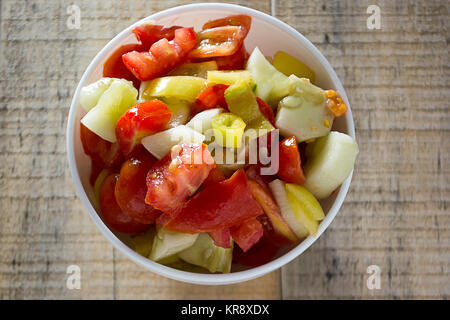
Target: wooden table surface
(396,215)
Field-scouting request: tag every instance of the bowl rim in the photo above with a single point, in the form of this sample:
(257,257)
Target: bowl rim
(184,276)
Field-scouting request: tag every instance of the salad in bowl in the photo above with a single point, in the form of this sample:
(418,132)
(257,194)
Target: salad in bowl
(208,157)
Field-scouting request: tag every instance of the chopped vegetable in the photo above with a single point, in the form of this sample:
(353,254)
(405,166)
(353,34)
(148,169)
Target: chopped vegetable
(301,214)
(228,130)
(90,94)
(140,121)
(287,212)
(218,42)
(221,205)
(177,176)
(104,154)
(111,213)
(304,113)
(192,69)
(242,20)
(143,242)
(184,88)
(206,254)
(202,122)
(247,233)
(290,165)
(272,211)
(272,85)
(149,33)
(307,200)
(180,109)
(222,237)
(111,105)
(212,97)
(288,65)
(131,188)
(159,144)
(330,161)
(167,243)
(163,56)
(229,77)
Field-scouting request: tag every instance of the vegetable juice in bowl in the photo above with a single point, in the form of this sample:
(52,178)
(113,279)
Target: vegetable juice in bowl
(185,98)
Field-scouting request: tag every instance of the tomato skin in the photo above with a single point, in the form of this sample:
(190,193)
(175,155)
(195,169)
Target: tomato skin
(115,68)
(139,121)
(247,233)
(221,205)
(177,176)
(266,110)
(148,34)
(290,166)
(222,238)
(261,253)
(104,154)
(131,188)
(111,212)
(163,56)
(215,175)
(210,98)
(242,20)
(218,42)
(235,61)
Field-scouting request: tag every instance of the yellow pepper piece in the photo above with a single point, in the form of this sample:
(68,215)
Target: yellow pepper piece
(307,200)
(288,65)
(184,88)
(229,77)
(228,130)
(198,69)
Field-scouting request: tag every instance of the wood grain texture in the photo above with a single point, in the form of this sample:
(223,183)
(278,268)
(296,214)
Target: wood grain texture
(396,214)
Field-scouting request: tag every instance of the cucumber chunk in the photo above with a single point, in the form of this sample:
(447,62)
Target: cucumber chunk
(331,161)
(206,254)
(167,243)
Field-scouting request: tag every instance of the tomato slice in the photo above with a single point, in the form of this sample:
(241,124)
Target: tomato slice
(131,188)
(104,154)
(261,253)
(218,42)
(177,176)
(219,206)
(163,56)
(210,98)
(222,238)
(215,175)
(111,212)
(242,20)
(139,121)
(149,33)
(115,68)
(290,165)
(247,233)
(235,61)
(266,110)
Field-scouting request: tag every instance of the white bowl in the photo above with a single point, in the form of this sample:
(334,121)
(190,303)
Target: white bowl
(270,35)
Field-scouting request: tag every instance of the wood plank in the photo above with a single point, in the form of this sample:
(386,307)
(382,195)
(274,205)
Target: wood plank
(43,226)
(397,211)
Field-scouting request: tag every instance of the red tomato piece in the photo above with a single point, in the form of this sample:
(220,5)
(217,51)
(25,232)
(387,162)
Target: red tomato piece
(218,42)
(242,20)
(290,165)
(253,172)
(266,110)
(210,98)
(222,238)
(247,233)
(215,175)
(111,212)
(131,188)
(235,61)
(115,68)
(149,33)
(163,56)
(177,176)
(261,253)
(221,205)
(139,121)
(104,154)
